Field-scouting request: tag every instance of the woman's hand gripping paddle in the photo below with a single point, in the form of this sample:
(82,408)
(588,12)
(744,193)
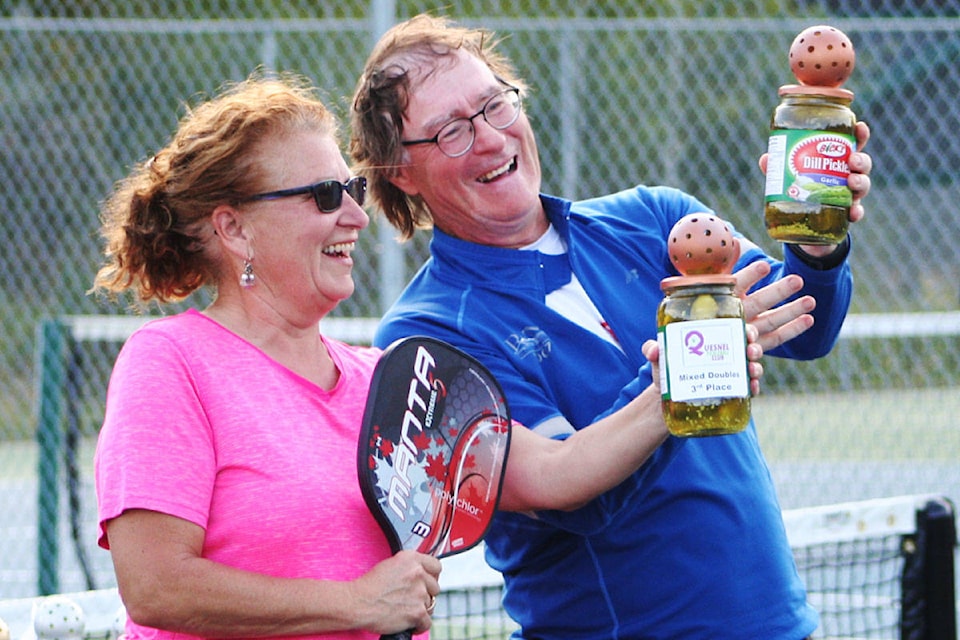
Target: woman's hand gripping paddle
(433,447)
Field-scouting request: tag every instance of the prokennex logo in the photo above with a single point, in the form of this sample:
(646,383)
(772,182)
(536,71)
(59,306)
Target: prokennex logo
(422,397)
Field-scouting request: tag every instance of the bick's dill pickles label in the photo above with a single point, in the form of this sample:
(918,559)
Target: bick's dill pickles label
(809,166)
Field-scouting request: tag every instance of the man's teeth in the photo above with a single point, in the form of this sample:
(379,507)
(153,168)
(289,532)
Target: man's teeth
(487,177)
(340,249)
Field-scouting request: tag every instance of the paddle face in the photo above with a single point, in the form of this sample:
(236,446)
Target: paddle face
(433,447)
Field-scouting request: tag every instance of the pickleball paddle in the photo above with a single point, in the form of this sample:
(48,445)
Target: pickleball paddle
(433,448)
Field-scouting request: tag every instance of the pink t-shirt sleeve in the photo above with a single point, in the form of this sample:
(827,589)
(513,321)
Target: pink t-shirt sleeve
(156,449)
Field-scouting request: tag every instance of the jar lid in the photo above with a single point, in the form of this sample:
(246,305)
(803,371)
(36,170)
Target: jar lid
(811,90)
(705,279)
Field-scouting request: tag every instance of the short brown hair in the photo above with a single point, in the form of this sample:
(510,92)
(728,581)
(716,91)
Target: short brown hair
(156,221)
(382,95)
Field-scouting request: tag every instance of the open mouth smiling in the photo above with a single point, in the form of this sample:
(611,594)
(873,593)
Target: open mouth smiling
(496,173)
(340,250)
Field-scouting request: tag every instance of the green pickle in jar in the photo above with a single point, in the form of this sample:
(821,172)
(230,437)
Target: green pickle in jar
(703,366)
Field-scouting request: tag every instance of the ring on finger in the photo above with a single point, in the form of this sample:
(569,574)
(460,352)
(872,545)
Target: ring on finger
(433,603)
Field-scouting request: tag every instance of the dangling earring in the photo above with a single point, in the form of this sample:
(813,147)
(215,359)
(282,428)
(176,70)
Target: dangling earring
(247,278)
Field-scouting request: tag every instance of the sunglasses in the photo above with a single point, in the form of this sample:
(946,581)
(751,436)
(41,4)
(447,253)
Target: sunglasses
(327,194)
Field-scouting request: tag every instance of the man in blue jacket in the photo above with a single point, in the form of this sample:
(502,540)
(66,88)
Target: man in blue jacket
(556,298)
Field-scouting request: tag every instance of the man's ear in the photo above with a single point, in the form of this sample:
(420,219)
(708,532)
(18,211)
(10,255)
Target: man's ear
(401,179)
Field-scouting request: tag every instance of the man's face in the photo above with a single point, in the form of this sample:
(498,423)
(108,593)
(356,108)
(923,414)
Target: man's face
(489,195)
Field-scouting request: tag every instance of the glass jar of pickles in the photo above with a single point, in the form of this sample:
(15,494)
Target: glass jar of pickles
(704,377)
(811,139)
(806,197)
(704,381)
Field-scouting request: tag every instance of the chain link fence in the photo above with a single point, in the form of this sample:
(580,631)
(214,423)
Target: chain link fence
(670,92)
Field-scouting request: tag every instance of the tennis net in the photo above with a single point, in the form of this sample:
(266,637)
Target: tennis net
(874,569)
(879,568)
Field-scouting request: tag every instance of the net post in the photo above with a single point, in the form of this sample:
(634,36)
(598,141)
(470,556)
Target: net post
(928,590)
(938,520)
(52,341)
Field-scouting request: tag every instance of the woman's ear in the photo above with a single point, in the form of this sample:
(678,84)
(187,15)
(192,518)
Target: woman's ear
(228,225)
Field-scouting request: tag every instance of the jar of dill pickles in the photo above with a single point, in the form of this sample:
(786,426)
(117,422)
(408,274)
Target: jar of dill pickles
(806,197)
(704,380)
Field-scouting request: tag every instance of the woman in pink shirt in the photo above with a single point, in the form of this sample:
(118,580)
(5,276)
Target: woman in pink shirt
(226,466)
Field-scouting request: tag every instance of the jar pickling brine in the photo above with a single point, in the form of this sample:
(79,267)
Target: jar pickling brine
(704,380)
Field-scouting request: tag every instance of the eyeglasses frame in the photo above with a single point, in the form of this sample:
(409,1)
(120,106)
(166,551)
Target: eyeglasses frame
(482,112)
(313,189)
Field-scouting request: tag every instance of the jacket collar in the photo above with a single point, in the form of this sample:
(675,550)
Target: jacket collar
(495,266)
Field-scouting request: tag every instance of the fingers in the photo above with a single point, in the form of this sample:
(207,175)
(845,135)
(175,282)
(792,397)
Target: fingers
(771,295)
(861,131)
(755,369)
(859,182)
(651,351)
(783,324)
(786,332)
(861,164)
(401,593)
(433,567)
(754,354)
(775,324)
(754,350)
(749,276)
(778,324)
(772,319)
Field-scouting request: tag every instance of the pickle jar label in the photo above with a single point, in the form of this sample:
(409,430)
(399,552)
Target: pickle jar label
(809,166)
(703,359)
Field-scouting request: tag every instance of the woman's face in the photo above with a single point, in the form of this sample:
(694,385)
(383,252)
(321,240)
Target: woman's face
(302,258)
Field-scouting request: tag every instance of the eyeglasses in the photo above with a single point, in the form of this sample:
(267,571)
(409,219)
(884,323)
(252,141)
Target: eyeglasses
(456,137)
(327,194)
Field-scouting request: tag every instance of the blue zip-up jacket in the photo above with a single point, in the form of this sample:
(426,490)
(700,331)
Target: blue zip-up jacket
(692,545)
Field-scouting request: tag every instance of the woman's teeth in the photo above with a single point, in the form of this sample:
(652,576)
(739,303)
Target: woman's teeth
(341,249)
(487,177)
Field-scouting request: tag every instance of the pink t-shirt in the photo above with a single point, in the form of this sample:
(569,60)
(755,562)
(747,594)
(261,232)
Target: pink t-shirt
(202,425)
